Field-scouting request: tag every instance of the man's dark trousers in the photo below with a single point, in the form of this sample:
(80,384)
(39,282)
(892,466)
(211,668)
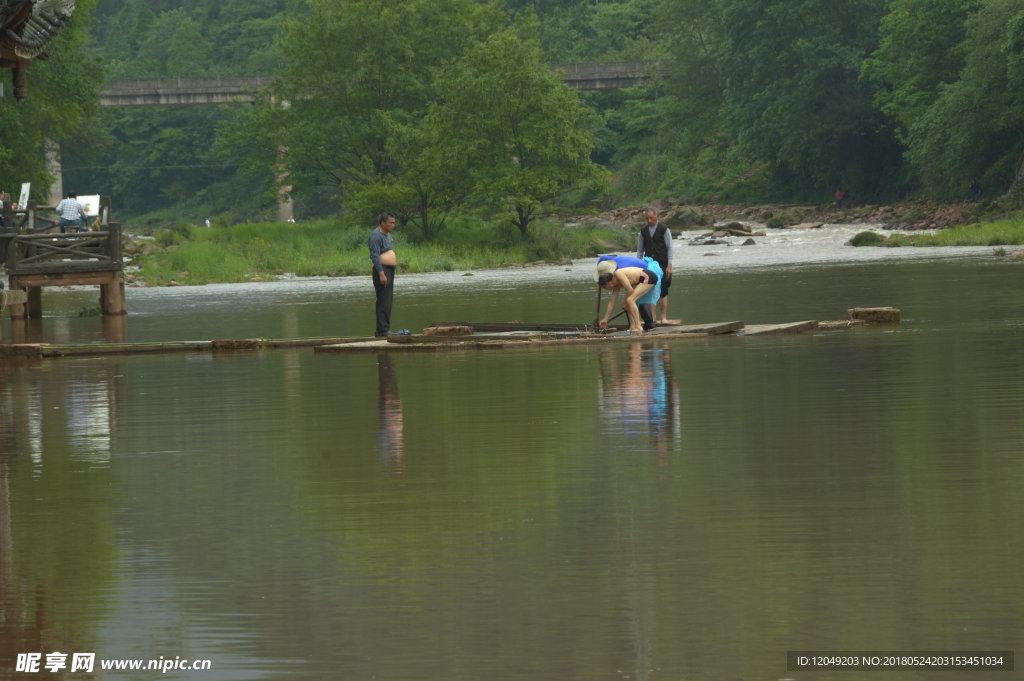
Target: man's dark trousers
(385,297)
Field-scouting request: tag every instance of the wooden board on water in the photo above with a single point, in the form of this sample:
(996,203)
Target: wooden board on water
(502,327)
(94,349)
(516,337)
(709,329)
(791,327)
(513,335)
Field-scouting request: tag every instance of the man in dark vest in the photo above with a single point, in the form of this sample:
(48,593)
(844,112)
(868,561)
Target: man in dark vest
(656,242)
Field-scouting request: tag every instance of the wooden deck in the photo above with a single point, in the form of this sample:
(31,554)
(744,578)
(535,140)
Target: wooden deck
(525,335)
(479,336)
(36,254)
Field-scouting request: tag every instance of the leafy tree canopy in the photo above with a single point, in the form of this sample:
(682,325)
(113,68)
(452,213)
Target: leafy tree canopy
(63,92)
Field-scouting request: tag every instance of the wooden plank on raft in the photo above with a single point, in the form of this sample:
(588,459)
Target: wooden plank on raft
(504,327)
(564,334)
(791,327)
(714,329)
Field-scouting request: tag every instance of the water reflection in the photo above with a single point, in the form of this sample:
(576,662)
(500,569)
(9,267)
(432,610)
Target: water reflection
(390,425)
(81,410)
(22,623)
(639,395)
(113,329)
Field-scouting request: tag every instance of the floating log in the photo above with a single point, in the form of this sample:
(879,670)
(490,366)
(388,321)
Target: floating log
(239,344)
(875,315)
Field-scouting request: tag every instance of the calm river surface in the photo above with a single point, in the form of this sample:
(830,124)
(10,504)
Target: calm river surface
(688,510)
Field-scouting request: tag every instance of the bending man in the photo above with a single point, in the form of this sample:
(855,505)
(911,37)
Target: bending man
(636,281)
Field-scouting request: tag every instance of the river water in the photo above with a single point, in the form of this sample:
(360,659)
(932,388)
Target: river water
(693,509)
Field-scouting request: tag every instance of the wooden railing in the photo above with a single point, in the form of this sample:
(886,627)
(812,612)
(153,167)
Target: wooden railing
(31,243)
(61,253)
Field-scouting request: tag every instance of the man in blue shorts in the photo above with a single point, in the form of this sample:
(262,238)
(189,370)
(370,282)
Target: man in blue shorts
(639,278)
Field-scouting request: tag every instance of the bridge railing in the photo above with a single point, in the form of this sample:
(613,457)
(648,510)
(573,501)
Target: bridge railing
(218,89)
(31,243)
(179,83)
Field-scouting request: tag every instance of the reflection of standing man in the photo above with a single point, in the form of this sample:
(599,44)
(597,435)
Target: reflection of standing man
(382,255)
(390,433)
(656,242)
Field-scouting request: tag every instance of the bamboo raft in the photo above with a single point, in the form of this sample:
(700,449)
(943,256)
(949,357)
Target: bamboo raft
(460,336)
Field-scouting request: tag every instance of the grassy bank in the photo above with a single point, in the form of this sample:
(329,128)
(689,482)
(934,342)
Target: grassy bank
(193,255)
(1003,232)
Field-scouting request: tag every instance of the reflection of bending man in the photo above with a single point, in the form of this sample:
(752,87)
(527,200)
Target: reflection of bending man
(635,280)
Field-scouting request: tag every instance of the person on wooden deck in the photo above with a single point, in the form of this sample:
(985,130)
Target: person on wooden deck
(636,281)
(655,241)
(647,302)
(382,255)
(71,213)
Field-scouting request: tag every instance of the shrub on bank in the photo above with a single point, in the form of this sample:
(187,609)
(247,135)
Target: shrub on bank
(1004,232)
(867,239)
(327,248)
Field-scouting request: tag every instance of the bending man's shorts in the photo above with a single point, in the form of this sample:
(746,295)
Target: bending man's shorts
(654,274)
(666,281)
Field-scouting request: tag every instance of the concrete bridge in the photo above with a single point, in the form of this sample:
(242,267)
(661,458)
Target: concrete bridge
(221,90)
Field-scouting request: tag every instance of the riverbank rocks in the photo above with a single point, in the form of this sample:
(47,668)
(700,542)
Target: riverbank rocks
(684,217)
(911,214)
(788,217)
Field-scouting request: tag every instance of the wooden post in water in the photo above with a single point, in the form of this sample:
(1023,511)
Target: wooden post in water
(112,298)
(10,299)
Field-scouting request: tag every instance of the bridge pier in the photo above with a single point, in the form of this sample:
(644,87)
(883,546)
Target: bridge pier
(52,149)
(112,296)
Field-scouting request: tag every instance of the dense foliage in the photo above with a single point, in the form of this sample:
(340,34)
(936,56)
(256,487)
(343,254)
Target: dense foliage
(63,92)
(764,100)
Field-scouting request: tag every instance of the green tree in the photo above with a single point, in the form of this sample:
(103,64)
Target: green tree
(521,135)
(920,48)
(189,52)
(975,126)
(130,27)
(63,92)
(430,183)
(793,97)
(349,70)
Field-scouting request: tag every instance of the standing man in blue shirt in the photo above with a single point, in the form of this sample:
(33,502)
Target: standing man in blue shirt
(382,255)
(656,242)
